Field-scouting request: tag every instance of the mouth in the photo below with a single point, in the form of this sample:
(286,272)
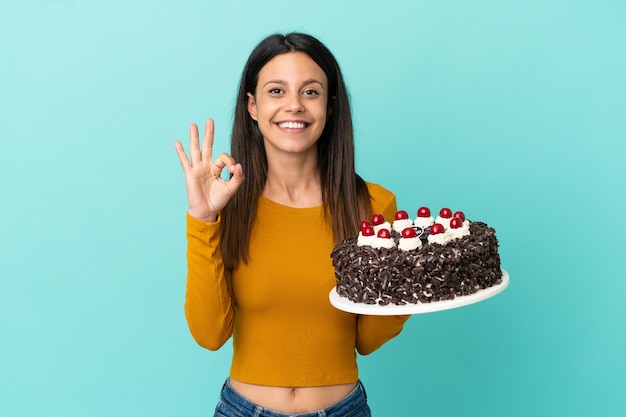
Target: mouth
(292,125)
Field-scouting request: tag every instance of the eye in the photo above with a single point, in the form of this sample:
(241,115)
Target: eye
(275,91)
(311,92)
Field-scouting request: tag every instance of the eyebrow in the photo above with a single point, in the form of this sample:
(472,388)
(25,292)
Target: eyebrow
(307,82)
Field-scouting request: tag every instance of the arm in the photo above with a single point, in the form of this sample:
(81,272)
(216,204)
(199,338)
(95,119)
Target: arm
(209,306)
(208,301)
(374,331)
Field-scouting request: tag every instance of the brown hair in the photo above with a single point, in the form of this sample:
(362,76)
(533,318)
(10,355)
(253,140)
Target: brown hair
(344,194)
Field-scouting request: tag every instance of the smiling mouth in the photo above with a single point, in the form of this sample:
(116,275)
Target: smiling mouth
(292,125)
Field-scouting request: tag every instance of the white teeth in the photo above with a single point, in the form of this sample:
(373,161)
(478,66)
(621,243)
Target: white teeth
(292,125)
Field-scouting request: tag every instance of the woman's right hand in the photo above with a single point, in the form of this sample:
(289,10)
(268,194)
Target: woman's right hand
(207,192)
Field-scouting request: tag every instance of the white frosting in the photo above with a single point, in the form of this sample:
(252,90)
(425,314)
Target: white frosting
(424,222)
(409,243)
(385,225)
(441,238)
(383,242)
(365,240)
(444,222)
(400,225)
(459,232)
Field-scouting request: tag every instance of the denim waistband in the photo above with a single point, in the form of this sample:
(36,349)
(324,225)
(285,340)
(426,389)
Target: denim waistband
(232,399)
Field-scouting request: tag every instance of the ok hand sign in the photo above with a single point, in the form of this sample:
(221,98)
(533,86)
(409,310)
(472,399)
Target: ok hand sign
(207,192)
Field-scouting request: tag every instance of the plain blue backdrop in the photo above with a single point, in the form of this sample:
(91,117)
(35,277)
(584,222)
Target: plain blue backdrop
(512,111)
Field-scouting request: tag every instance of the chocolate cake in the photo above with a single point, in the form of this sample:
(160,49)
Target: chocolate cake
(383,273)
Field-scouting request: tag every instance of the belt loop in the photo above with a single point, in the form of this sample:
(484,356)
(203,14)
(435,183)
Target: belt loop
(258,411)
(321,413)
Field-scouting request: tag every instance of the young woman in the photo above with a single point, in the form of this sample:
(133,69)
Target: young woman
(259,243)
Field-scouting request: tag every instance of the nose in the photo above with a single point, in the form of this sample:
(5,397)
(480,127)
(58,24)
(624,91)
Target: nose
(294,103)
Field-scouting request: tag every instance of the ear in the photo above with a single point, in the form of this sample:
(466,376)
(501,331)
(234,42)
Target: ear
(252,107)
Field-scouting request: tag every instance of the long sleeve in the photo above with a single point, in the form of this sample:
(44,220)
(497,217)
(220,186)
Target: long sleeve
(209,306)
(374,331)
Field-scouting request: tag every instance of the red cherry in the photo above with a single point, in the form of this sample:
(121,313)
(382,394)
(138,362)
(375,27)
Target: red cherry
(423,212)
(456,222)
(460,215)
(402,215)
(445,212)
(436,228)
(384,233)
(368,231)
(378,219)
(364,224)
(409,232)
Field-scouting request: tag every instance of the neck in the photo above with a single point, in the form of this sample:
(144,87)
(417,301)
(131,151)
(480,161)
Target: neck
(294,183)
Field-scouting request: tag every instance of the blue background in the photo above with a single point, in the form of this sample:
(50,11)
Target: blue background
(512,111)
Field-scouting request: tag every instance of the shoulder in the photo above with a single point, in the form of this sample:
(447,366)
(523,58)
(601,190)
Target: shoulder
(382,199)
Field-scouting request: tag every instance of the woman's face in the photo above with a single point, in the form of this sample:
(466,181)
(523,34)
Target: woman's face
(290,104)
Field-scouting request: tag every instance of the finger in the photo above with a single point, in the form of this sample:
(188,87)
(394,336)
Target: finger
(222,160)
(194,144)
(236,179)
(182,156)
(207,141)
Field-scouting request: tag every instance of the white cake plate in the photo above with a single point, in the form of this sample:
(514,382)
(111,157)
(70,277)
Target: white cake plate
(391,309)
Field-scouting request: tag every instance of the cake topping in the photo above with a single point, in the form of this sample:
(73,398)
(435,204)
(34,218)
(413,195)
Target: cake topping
(402,221)
(445,213)
(402,215)
(458,228)
(460,215)
(384,240)
(456,222)
(368,231)
(366,237)
(409,240)
(378,233)
(378,221)
(438,235)
(423,212)
(436,229)
(424,219)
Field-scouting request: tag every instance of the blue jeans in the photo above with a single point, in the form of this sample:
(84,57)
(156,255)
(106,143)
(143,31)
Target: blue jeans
(233,404)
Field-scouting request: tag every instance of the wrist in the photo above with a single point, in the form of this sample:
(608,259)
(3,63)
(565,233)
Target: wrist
(207,218)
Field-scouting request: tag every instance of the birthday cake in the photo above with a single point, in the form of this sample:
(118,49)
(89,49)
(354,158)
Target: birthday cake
(424,260)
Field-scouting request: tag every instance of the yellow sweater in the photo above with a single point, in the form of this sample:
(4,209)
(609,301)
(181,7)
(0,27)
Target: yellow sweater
(285,331)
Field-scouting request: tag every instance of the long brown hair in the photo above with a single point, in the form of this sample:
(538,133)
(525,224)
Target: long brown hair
(344,193)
